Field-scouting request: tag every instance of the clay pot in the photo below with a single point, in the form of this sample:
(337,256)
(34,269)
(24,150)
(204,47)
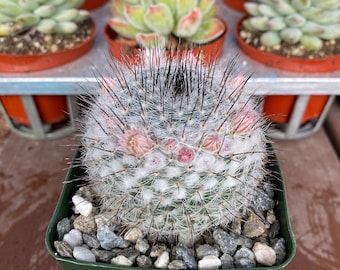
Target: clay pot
(92,4)
(30,63)
(121,48)
(278,108)
(236,5)
(52,109)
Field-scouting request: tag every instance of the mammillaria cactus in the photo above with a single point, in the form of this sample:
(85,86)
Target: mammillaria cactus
(307,22)
(173,146)
(151,22)
(46,16)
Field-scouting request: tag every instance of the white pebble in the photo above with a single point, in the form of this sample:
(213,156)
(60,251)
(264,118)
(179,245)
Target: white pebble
(73,238)
(83,254)
(157,251)
(142,245)
(264,254)
(133,234)
(209,262)
(121,260)
(82,206)
(163,260)
(103,219)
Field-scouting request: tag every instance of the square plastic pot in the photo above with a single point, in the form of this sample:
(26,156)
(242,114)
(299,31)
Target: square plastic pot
(64,205)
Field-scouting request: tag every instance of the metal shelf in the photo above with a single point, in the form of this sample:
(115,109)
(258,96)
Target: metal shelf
(65,80)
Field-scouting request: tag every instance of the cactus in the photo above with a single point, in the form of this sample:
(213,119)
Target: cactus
(305,22)
(174,146)
(151,22)
(46,16)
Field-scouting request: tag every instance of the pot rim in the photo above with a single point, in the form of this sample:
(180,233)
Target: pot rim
(237,5)
(92,4)
(216,45)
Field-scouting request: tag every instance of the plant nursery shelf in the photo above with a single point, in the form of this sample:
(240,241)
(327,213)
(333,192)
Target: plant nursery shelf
(68,79)
(65,80)
(64,85)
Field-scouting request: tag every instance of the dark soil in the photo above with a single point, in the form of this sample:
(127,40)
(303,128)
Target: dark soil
(330,47)
(34,42)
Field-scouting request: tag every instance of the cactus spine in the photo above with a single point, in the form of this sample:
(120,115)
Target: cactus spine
(47,16)
(151,22)
(173,146)
(308,22)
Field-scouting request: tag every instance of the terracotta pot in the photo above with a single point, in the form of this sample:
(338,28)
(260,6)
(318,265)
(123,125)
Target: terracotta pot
(29,63)
(279,108)
(92,4)
(52,109)
(236,5)
(119,48)
(210,51)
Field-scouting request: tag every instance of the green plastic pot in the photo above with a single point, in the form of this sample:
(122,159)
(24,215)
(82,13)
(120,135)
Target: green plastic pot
(64,209)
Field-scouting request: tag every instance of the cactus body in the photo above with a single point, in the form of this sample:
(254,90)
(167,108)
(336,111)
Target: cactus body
(172,146)
(295,21)
(46,16)
(191,20)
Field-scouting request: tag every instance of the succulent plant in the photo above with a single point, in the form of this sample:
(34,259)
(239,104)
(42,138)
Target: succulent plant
(174,146)
(46,16)
(150,22)
(308,22)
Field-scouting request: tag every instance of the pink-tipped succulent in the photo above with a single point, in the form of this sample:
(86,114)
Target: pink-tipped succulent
(151,22)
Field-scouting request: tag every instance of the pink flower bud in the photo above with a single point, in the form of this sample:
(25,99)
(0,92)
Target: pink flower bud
(185,155)
(111,124)
(211,142)
(243,122)
(169,145)
(136,142)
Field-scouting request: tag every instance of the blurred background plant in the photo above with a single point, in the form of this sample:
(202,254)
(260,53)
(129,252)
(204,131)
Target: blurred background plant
(45,16)
(307,22)
(154,22)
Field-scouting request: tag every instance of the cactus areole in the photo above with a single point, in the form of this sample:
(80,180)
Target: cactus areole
(166,23)
(173,146)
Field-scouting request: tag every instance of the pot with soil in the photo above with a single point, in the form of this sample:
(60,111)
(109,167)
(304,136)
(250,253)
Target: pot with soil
(35,37)
(166,25)
(298,36)
(174,171)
